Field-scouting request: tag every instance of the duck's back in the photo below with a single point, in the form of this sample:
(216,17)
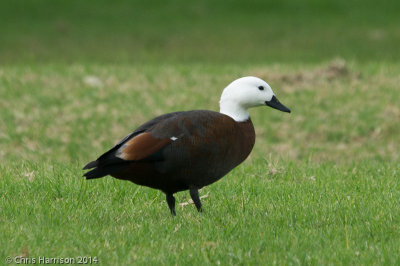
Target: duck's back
(186,149)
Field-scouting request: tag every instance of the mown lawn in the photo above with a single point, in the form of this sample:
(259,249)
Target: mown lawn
(303,213)
(320,187)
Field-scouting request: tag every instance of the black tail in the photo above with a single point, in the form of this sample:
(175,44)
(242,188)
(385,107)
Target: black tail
(104,165)
(102,170)
(96,173)
(91,165)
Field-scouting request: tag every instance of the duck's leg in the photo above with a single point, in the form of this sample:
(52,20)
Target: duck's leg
(194,193)
(171,203)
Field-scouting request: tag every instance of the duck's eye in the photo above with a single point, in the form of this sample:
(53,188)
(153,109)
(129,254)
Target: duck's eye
(261,88)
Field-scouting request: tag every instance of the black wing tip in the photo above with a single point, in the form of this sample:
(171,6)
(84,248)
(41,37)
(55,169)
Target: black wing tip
(101,170)
(91,165)
(93,174)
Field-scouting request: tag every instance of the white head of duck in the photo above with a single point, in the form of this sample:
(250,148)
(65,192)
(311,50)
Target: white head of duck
(245,93)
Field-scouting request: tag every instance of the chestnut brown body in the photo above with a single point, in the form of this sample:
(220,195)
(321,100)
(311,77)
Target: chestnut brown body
(179,151)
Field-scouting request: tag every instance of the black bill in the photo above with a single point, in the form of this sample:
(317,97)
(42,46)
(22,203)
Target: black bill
(274,103)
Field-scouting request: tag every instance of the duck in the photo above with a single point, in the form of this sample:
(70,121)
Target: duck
(188,150)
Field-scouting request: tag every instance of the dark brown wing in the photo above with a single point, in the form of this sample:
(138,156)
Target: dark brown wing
(148,126)
(136,146)
(141,146)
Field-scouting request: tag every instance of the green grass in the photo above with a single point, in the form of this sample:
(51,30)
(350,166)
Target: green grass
(320,187)
(301,214)
(204,31)
(340,110)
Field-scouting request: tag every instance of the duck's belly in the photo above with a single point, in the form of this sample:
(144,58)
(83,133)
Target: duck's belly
(190,175)
(182,172)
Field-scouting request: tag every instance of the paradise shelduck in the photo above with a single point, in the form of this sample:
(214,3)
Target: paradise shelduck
(191,149)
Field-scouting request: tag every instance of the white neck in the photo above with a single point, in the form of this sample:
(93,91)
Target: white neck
(234,110)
